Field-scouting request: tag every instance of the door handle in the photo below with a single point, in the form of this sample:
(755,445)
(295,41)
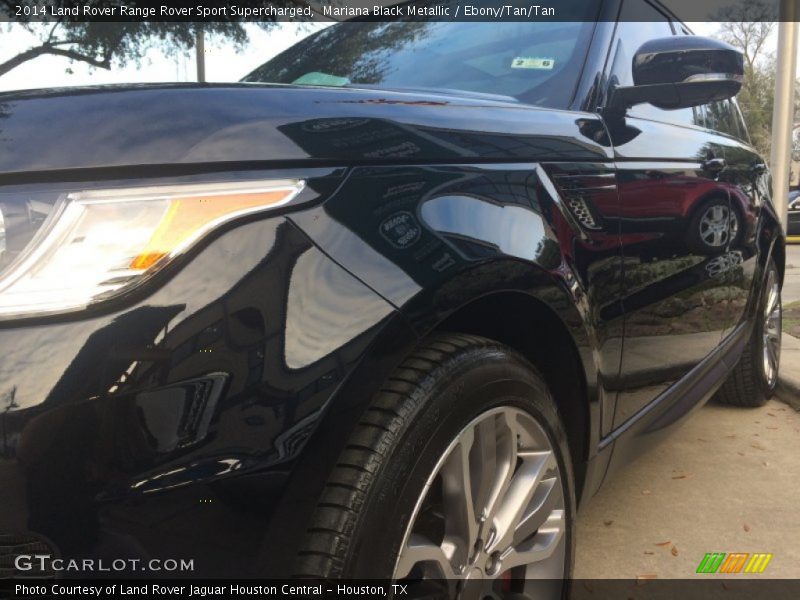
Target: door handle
(714,165)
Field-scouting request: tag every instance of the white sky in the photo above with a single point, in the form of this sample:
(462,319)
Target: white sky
(222,62)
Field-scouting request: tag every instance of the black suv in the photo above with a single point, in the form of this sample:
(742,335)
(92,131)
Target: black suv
(390,307)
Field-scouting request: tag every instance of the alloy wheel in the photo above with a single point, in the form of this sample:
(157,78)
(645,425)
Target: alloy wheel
(718,225)
(492,510)
(771,333)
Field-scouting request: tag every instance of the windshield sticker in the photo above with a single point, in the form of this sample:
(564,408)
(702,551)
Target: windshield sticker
(317,78)
(533,62)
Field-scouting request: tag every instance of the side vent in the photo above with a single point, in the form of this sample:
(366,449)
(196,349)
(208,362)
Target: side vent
(585,194)
(581,211)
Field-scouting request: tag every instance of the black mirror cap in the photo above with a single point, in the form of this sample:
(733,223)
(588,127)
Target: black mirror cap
(682,71)
(685,59)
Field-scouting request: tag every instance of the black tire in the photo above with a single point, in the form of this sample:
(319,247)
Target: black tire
(364,510)
(694,236)
(748,384)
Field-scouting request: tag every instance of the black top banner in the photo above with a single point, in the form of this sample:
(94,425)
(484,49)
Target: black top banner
(382,10)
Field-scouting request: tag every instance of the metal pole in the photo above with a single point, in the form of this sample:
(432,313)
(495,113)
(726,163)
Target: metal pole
(783,114)
(200,53)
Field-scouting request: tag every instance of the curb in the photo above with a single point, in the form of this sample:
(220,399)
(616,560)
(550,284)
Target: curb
(789,379)
(788,394)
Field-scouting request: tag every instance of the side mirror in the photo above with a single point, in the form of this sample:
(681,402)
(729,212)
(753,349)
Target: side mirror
(680,72)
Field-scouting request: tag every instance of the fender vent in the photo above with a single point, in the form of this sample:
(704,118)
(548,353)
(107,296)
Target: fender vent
(587,194)
(582,212)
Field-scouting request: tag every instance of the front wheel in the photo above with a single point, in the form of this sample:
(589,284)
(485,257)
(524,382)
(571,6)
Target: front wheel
(457,479)
(755,376)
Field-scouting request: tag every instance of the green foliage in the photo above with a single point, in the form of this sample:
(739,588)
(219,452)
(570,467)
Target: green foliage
(749,27)
(757,96)
(107,44)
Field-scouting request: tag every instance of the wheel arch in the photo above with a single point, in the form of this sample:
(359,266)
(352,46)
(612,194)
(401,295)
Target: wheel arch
(522,322)
(531,307)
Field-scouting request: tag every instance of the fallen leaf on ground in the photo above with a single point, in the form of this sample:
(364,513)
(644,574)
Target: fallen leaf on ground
(667,543)
(649,552)
(746,527)
(682,476)
(607,523)
(757,446)
(770,414)
(674,551)
(740,453)
(765,463)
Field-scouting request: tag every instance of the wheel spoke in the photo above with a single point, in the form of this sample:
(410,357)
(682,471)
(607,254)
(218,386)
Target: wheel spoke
(505,428)
(545,500)
(484,463)
(461,526)
(540,547)
(773,355)
(772,301)
(519,493)
(421,550)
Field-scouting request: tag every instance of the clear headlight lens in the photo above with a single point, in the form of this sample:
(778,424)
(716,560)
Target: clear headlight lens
(96,244)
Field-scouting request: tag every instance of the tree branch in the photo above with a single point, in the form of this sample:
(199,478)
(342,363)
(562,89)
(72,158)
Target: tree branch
(104,63)
(47,48)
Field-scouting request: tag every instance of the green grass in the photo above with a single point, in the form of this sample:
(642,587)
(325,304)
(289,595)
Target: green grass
(791,318)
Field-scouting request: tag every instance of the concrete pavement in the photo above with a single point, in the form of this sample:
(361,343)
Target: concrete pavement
(724,482)
(789,382)
(791,284)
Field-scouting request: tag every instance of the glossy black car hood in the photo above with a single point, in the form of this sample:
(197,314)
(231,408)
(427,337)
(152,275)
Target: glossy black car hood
(199,124)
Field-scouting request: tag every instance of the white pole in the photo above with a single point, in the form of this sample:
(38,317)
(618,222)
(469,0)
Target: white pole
(200,53)
(783,114)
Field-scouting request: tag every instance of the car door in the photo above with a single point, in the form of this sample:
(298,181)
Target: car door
(673,215)
(746,179)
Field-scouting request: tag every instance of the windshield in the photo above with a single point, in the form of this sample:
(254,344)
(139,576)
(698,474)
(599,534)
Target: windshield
(534,62)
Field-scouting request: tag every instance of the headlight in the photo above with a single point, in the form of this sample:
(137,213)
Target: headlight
(94,245)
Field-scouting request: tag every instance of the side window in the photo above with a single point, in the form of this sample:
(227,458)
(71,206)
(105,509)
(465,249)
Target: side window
(740,124)
(722,116)
(640,22)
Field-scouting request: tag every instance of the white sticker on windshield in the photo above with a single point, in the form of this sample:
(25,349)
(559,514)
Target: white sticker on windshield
(532,62)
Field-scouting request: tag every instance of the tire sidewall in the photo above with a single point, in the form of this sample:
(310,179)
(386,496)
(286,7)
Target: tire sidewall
(453,396)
